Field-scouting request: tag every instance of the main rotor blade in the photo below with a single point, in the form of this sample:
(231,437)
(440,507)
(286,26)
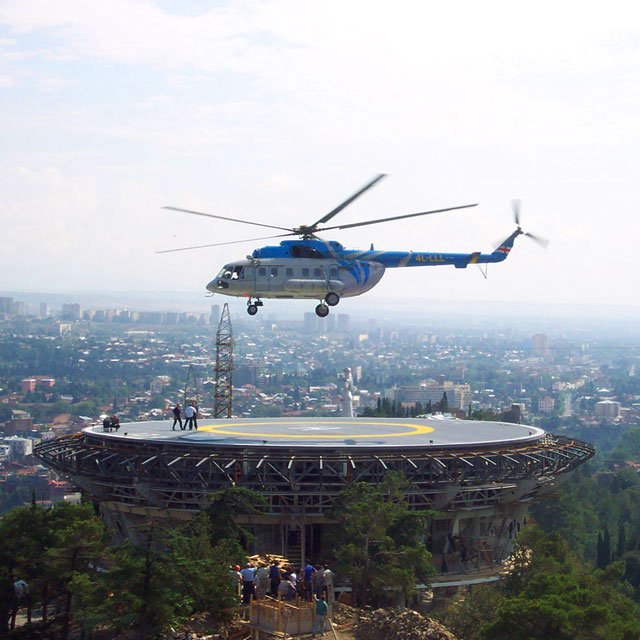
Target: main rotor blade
(212,215)
(220,244)
(408,215)
(347,202)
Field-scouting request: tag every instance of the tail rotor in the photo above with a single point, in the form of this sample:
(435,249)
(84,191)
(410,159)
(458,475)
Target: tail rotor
(517,208)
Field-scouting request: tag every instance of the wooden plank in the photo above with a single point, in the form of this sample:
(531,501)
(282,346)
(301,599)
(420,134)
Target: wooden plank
(335,635)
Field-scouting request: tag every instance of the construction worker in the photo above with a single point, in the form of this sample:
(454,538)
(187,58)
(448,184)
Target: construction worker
(248,584)
(321,615)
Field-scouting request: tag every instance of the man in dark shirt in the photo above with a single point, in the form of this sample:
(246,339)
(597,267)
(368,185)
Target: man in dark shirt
(274,578)
(177,416)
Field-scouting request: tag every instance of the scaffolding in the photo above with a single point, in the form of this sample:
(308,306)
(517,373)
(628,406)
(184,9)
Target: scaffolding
(224,366)
(481,493)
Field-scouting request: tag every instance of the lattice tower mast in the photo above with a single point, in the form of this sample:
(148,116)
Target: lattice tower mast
(224,366)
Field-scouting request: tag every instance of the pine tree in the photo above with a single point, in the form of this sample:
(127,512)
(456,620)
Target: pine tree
(622,540)
(600,552)
(606,547)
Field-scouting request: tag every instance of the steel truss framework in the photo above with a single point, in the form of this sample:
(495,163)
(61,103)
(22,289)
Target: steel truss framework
(224,366)
(305,483)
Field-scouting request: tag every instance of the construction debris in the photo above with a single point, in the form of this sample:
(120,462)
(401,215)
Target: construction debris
(388,624)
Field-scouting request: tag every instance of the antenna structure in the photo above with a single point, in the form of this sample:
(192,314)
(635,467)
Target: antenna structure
(224,366)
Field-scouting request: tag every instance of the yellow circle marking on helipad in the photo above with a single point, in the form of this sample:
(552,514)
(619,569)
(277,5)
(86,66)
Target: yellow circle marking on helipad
(416,429)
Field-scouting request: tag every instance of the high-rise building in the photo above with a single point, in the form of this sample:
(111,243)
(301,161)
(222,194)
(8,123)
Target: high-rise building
(344,322)
(71,311)
(214,316)
(540,345)
(6,305)
(44,310)
(310,322)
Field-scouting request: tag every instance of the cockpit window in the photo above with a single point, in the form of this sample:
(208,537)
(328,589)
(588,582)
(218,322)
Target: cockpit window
(238,273)
(302,251)
(225,272)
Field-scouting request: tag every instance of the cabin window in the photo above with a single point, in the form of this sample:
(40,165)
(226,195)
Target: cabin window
(274,272)
(317,273)
(305,273)
(262,271)
(334,272)
(289,272)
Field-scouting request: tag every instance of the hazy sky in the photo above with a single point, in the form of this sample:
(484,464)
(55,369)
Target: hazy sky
(278,110)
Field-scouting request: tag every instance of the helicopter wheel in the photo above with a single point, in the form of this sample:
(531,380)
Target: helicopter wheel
(332,298)
(252,309)
(322,310)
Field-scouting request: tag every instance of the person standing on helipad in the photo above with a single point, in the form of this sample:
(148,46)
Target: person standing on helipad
(177,413)
(189,412)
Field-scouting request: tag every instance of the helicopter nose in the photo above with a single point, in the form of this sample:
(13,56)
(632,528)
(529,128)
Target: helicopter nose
(212,286)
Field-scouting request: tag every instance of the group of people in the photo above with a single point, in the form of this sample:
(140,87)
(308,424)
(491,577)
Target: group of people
(314,584)
(190,416)
(256,582)
(111,423)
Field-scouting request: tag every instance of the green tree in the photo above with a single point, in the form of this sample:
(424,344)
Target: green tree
(379,540)
(225,506)
(552,595)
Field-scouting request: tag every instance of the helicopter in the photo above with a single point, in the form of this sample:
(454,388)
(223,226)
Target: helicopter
(310,267)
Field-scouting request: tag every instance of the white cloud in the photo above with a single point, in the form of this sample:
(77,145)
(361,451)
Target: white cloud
(277,110)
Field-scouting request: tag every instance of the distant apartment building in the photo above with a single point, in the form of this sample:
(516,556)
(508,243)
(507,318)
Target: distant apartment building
(546,405)
(71,311)
(311,322)
(158,384)
(19,448)
(343,324)
(248,374)
(609,409)
(214,315)
(20,422)
(28,385)
(6,305)
(43,310)
(540,345)
(458,395)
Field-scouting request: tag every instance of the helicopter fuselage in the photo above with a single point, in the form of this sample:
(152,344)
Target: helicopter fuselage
(296,278)
(314,268)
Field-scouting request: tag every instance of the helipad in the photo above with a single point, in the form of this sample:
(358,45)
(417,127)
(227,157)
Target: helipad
(478,477)
(333,433)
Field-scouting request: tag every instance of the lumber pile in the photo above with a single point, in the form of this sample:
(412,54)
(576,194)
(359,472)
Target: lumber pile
(267,559)
(388,624)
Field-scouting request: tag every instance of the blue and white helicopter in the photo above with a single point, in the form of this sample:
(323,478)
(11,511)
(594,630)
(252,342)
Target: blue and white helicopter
(312,268)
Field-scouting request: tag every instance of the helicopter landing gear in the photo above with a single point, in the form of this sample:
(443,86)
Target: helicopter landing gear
(332,298)
(252,307)
(322,310)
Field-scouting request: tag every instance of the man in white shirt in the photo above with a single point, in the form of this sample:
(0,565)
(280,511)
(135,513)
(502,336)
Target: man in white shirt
(248,584)
(189,413)
(327,585)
